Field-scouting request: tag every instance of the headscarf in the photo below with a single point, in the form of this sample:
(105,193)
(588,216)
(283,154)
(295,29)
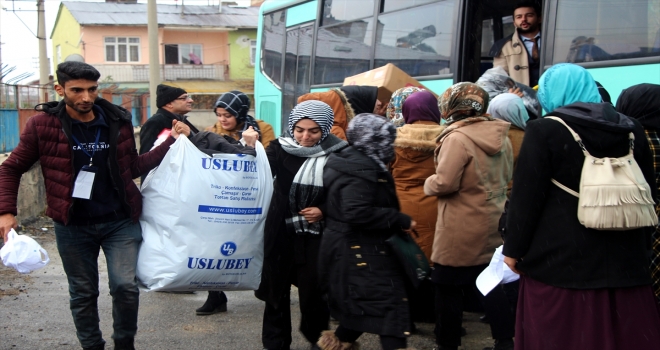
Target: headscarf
(317,111)
(374,136)
(641,102)
(362,98)
(238,105)
(463,100)
(394,108)
(510,108)
(564,84)
(336,99)
(422,105)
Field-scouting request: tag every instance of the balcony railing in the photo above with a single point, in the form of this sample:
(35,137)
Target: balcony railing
(140,72)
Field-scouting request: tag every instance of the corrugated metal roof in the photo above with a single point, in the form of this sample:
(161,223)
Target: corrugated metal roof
(106,13)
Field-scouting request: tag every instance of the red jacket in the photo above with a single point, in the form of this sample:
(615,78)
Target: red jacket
(47,138)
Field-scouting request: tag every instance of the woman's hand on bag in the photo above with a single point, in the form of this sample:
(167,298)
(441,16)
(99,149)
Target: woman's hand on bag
(312,214)
(251,136)
(7,222)
(511,263)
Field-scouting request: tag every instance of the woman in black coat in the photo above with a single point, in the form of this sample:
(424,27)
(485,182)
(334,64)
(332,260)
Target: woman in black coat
(365,282)
(580,288)
(294,225)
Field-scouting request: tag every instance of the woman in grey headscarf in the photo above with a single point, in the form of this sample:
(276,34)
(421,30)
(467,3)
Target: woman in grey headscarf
(364,281)
(294,225)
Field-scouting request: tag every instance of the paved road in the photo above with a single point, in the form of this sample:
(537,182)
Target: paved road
(34,314)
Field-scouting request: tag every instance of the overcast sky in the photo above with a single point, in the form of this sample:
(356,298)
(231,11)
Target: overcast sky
(18,29)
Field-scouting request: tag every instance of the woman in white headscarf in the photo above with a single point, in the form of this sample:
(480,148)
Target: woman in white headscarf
(294,225)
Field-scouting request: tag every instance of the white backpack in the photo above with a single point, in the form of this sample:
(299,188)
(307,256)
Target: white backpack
(614,194)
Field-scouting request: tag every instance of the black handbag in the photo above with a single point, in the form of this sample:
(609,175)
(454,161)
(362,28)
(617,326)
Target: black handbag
(411,257)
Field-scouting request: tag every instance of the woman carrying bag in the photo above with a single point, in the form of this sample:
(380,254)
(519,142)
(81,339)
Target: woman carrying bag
(365,281)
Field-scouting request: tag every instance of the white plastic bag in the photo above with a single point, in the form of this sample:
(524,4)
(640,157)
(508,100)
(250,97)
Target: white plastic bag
(496,273)
(203,220)
(23,253)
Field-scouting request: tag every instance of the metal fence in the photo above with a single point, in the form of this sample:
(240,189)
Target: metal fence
(17,101)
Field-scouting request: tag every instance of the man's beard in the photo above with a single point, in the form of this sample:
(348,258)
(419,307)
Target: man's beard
(76,108)
(531,29)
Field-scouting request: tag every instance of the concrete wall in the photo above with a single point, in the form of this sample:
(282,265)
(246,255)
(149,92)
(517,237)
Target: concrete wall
(31,193)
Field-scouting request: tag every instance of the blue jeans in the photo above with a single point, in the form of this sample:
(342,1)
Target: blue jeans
(79,249)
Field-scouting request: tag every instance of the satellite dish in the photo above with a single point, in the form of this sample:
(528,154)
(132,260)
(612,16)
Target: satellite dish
(74,57)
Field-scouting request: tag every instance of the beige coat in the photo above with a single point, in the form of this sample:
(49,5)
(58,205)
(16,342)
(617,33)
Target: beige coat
(413,163)
(514,54)
(474,165)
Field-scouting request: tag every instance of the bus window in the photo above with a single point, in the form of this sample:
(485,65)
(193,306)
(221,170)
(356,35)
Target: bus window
(336,11)
(392,5)
(296,67)
(599,30)
(273,37)
(418,40)
(342,50)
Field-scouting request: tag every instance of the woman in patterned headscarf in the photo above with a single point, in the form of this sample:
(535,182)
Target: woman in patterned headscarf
(474,163)
(232,108)
(395,107)
(364,281)
(294,225)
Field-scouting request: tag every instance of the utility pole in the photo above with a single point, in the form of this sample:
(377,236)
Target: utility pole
(43,54)
(154,50)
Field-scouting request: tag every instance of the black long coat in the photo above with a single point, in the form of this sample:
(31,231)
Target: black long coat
(542,224)
(365,282)
(278,240)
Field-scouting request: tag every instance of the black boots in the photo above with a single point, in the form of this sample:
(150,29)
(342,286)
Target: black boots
(216,302)
(124,344)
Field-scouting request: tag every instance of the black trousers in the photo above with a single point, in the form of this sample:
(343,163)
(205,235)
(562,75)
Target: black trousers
(315,315)
(346,335)
(449,309)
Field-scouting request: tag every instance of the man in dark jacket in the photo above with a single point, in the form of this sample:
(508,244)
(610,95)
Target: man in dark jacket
(173,103)
(88,158)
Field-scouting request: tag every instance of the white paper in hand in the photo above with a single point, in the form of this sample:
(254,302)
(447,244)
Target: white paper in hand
(496,273)
(23,253)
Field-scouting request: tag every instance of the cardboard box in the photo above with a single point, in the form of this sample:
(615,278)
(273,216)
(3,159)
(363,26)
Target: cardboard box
(387,78)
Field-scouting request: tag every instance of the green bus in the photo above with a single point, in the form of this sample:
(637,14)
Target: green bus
(312,45)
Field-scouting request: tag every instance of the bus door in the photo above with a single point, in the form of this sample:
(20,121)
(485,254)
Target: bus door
(484,23)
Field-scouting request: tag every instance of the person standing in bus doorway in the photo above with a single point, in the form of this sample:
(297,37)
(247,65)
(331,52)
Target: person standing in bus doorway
(519,53)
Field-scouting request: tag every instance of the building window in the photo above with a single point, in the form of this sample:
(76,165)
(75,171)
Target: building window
(122,49)
(253,51)
(58,49)
(183,54)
